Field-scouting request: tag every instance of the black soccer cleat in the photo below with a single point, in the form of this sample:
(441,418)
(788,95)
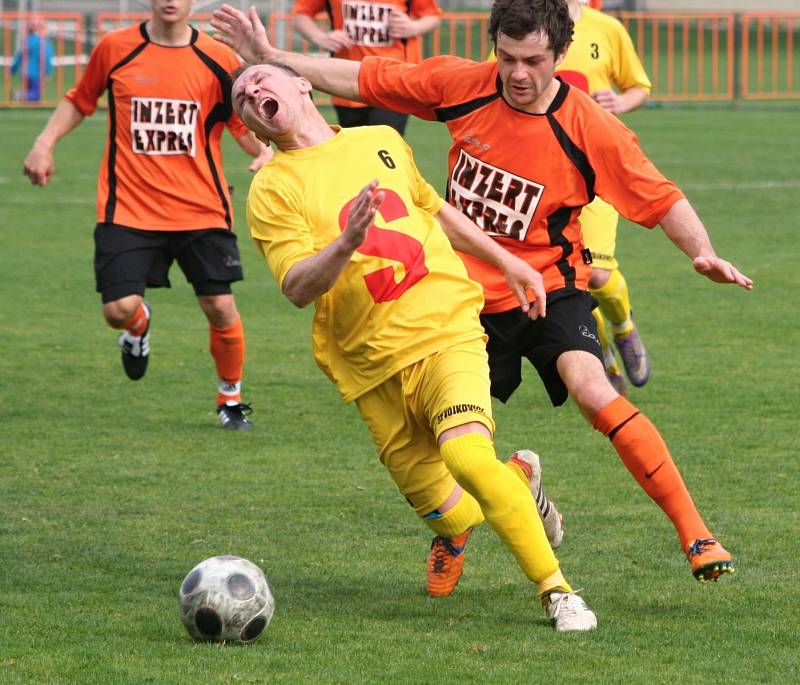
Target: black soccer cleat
(234,416)
(136,350)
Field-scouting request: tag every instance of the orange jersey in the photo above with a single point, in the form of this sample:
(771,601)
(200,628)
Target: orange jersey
(366,22)
(523,178)
(162,167)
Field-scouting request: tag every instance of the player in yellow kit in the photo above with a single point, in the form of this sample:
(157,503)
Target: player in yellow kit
(603,62)
(345,221)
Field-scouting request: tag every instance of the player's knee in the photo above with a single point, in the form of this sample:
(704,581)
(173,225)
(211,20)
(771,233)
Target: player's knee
(220,310)
(598,278)
(118,312)
(472,460)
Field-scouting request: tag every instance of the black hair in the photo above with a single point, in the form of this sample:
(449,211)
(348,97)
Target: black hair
(518,18)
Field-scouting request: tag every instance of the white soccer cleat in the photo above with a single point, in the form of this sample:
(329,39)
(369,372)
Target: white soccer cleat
(568,612)
(551,517)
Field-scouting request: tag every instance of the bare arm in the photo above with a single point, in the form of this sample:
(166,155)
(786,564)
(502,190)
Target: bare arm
(310,30)
(403,26)
(39,164)
(684,228)
(246,35)
(619,103)
(465,236)
(315,275)
(260,152)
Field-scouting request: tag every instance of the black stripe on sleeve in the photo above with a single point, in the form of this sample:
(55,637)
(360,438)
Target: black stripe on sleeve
(451,112)
(220,113)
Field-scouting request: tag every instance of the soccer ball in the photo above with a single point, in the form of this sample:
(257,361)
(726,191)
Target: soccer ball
(226,599)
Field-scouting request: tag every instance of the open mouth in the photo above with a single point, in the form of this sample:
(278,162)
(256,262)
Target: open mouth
(269,107)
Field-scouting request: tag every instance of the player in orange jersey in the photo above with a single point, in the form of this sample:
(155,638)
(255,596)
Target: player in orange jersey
(360,28)
(528,153)
(162,195)
(346,222)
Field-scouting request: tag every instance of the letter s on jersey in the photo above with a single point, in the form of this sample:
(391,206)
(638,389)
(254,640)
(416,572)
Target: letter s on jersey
(389,244)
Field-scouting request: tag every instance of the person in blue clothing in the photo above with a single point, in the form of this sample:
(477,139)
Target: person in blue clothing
(34,60)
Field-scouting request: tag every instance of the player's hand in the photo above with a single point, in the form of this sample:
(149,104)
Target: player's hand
(362,214)
(336,41)
(242,32)
(39,165)
(721,271)
(523,280)
(264,156)
(609,101)
(401,25)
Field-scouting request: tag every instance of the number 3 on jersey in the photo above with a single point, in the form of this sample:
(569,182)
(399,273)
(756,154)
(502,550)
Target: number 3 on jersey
(389,244)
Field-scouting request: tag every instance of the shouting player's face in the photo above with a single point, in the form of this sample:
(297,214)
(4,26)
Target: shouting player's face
(270,101)
(526,69)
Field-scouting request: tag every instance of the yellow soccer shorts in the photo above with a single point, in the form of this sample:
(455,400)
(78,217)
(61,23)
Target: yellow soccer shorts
(408,412)
(599,225)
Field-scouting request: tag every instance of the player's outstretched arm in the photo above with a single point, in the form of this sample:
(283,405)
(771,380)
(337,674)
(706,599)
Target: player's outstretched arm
(525,282)
(313,276)
(39,164)
(246,34)
(684,228)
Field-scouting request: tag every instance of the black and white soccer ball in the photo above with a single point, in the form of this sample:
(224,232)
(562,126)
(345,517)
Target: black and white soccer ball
(226,599)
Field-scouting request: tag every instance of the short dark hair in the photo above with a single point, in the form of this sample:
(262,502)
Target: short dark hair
(517,18)
(236,73)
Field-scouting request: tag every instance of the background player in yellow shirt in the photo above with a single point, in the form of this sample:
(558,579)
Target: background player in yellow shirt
(345,221)
(603,62)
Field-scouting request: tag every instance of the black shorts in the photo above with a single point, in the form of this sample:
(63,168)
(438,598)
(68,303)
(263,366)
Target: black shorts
(371,116)
(128,260)
(569,325)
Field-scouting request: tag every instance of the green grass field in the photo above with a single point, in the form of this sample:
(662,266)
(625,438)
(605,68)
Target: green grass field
(110,491)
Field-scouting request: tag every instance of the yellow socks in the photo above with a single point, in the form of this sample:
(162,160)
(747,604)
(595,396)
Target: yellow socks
(615,303)
(466,513)
(507,505)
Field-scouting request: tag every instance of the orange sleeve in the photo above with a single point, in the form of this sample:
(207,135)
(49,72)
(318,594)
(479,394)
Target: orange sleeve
(424,8)
(85,94)
(624,176)
(308,7)
(416,89)
(236,126)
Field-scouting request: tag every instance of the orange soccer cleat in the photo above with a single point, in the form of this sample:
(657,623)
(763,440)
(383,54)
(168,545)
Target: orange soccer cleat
(709,560)
(446,563)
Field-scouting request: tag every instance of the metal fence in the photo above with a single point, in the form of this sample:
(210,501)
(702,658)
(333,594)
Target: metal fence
(690,57)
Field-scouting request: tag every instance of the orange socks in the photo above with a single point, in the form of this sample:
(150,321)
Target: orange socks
(227,348)
(646,456)
(137,324)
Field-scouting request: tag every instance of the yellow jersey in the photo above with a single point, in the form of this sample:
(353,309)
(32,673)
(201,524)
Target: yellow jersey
(405,294)
(602,54)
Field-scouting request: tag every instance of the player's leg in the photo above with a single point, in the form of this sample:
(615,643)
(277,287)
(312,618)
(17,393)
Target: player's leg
(454,394)
(613,370)
(599,225)
(511,335)
(615,304)
(126,262)
(408,450)
(636,440)
(211,262)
